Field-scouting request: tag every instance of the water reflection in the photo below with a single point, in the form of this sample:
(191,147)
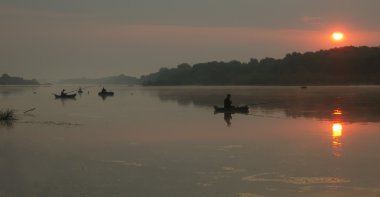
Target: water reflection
(337,132)
(6,91)
(228,118)
(337,139)
(95,149)
(65,100)
(7,123)
(104,97)
(360,103)
(337,112)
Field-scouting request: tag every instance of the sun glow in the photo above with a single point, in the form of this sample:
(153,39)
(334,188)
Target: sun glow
(337,36)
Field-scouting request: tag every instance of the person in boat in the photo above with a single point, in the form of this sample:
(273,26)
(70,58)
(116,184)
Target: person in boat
(228,102)
(80,90)
(63,92)
(103,90)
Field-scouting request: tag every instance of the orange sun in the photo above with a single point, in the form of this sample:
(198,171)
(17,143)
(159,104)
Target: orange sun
(337,36)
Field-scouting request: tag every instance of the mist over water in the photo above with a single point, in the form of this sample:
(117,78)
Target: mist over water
(167,141)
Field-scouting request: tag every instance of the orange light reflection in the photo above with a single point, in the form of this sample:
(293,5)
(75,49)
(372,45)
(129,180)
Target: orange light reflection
(337,129)
(337,112)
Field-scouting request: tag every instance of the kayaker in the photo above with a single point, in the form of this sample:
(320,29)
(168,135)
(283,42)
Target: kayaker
(63,92)
(104,90)
(227,101)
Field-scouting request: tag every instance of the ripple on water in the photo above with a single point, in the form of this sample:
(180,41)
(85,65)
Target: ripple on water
(272,177)
(250,195)
(52,123)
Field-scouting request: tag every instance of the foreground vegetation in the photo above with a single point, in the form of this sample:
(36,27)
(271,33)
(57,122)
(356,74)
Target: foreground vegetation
(7,117)
(7,114)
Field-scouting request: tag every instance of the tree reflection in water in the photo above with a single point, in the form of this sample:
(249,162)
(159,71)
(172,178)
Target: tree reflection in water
(359,103)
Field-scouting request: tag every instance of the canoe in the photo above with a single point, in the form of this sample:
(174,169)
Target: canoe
(67,96)
(105,93)
(240,109)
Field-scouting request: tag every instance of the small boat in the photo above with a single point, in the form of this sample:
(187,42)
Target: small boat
(105,94)
(80,91)
(303,87)
(240,109)
(66,96)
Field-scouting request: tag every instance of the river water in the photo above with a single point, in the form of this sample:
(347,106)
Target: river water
(167,141)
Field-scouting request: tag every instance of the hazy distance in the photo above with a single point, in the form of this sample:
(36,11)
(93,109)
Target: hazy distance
(52,39)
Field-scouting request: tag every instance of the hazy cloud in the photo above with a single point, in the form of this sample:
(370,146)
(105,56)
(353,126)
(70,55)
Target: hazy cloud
(99,38)
(313,20)
(23,12)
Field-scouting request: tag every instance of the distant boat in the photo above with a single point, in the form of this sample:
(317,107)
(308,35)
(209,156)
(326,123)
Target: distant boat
(80,91)
(65,96)
(303,87)
(240,109)
(105,93)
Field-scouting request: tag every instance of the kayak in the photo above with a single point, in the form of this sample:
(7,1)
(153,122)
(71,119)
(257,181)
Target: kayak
(240,109)
(67,96)
(105,93)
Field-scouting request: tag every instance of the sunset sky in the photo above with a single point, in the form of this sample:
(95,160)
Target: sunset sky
(56,39)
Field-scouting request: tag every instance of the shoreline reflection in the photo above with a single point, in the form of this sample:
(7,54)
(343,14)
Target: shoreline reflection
(316,102)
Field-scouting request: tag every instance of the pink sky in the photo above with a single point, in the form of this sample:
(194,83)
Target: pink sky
(35,39)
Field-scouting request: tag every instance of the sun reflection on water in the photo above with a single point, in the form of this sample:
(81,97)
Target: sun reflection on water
(337,133)
(337,112)
(337,130)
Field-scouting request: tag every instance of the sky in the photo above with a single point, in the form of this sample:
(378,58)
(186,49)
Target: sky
(55,39)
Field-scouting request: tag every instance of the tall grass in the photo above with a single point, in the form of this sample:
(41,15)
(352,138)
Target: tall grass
(7,114)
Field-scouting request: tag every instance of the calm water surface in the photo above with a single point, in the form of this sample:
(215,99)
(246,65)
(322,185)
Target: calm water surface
(167,141)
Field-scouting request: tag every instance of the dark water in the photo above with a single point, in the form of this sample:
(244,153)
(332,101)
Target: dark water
(167,141)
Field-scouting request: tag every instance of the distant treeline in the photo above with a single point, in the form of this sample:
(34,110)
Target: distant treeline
(339,66)
(120,79)
(8,80)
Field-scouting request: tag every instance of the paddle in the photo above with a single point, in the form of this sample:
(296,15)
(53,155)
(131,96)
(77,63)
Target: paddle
(71,91)
(29,110)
